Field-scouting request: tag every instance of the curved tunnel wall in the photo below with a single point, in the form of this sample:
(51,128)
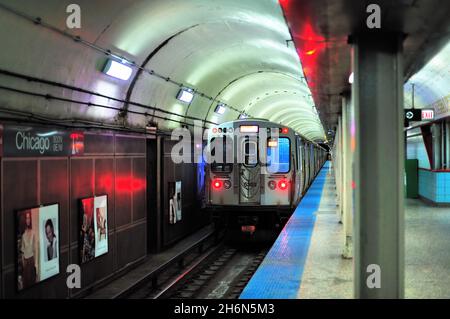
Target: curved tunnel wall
(228,50)
(198,44)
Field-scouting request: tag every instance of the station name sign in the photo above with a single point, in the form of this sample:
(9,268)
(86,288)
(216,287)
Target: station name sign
(417,115)
(33,141)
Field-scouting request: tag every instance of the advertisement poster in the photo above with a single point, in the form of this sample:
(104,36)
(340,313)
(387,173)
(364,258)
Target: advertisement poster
(101,225)
(177,200)
(94,228)
(37,245)
(174,202)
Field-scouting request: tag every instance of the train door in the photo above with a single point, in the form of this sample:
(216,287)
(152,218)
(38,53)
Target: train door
(306,161)
(299,173)
(303,166)
(249,172)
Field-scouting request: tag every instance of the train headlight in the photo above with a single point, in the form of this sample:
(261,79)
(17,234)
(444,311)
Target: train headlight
(283,185)
(272,185)
(227,184)
(217,184)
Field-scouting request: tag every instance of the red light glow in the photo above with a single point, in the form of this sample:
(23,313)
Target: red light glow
(123,184)
(217,184)
(285,130)
(310,40)
(282,185)
(248,229)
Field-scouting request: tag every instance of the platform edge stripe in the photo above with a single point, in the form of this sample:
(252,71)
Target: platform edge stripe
(271,282)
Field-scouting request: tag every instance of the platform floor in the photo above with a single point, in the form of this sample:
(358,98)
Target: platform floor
(323,273)
(327,274)
(280,273)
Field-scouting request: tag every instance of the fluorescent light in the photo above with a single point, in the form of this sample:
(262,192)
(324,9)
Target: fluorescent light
(47,134)
(220,109)
(186,95)
(350,78)
(117,70)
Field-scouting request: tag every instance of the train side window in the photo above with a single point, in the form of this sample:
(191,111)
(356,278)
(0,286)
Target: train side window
(299,155)
(278,156)
(221,165)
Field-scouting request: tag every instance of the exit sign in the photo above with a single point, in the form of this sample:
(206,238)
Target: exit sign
(417,115)
(427,115)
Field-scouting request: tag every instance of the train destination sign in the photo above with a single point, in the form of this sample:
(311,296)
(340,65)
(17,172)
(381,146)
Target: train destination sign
(27,141)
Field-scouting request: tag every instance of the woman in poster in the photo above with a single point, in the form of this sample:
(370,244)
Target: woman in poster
(29,255)
(101,223)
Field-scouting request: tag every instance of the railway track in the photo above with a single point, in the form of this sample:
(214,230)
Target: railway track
(220,272)
(223,275)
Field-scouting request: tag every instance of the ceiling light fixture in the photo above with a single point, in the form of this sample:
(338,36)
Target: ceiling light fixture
(185,95)
(220,108)
(117,70)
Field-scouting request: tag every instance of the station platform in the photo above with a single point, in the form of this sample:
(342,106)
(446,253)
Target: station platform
(306,260)
(280,274)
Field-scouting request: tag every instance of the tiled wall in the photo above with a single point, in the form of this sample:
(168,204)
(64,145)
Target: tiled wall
(434,186)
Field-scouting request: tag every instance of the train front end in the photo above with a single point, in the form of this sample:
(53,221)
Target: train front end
(250,175)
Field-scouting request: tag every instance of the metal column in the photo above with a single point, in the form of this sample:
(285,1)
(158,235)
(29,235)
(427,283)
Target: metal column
(379,165)
(447,144)
(347,161)
(337,158)
(436,130)
(340,180)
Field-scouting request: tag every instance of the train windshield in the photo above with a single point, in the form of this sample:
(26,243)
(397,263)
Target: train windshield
(221,150)
(278,155)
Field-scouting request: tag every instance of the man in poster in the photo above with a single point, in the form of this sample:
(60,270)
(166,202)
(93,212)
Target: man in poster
(49,229)
(28,252)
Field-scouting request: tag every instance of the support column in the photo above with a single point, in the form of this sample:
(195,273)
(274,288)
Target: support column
(447,144)
(337,163)
(340,181)
(379,165)
(347,191)
(436,130)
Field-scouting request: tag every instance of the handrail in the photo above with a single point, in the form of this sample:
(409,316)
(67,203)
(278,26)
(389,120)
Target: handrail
(435,170)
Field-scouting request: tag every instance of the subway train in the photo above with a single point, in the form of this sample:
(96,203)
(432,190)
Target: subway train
(257,173)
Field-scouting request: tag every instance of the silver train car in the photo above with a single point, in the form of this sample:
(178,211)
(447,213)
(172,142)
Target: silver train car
(258,172)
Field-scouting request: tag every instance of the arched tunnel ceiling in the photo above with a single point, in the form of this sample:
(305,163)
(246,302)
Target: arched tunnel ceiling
(431,83)
(234,51)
